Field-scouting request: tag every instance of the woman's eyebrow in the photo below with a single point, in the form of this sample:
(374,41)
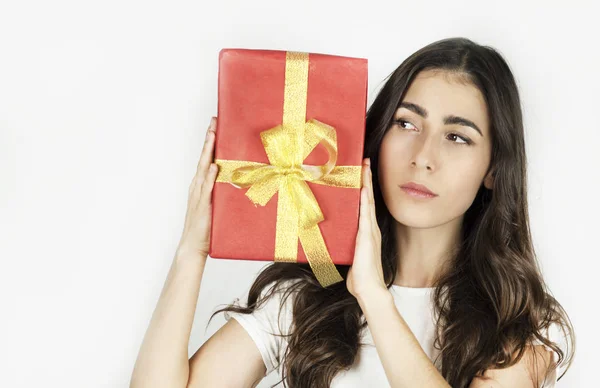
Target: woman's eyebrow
(451,119)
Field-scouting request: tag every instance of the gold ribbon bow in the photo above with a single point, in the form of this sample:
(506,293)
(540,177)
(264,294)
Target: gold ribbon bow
(287,145)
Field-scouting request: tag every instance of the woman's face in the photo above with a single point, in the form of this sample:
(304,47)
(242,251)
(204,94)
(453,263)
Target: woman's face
(428,143)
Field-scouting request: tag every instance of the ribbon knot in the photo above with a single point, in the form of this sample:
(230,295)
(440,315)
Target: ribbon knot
(283,175)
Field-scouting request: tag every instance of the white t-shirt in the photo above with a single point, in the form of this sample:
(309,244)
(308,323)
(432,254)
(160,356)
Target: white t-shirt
(415,306)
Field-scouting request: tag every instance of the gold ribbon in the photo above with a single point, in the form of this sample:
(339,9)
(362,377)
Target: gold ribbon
(287,145)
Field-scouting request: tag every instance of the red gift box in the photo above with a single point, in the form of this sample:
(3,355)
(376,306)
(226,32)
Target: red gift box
(251,98)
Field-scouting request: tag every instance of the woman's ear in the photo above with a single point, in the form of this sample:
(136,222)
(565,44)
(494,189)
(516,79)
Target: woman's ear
(488,181)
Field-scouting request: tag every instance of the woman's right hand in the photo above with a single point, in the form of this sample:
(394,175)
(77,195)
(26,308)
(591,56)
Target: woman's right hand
(195,239)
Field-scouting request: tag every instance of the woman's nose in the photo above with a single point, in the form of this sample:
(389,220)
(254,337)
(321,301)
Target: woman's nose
(425,153)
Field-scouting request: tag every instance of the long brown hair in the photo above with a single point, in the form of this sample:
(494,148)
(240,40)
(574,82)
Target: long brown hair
(490,302)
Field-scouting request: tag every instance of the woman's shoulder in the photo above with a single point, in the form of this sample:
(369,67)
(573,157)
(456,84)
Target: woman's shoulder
(270,322)
(274,306)
(559,335)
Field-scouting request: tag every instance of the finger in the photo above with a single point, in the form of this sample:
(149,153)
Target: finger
(202,199)
(371,197)
(363,216)
(363,223)
(206,157)
(207,186)
(207,150)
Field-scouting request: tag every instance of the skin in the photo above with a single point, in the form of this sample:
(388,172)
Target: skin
(426,151)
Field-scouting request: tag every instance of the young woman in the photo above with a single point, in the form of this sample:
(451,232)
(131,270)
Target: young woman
(445,288)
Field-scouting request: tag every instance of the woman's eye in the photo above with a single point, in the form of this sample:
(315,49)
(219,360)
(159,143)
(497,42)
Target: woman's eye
(400,122)
(464,139)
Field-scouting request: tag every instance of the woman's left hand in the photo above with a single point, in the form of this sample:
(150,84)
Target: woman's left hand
(366,274)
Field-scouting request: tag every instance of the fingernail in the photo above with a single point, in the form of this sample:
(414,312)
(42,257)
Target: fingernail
(368,162)
(213,123)
(213,167)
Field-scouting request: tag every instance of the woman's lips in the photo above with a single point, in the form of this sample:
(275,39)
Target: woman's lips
(417,193)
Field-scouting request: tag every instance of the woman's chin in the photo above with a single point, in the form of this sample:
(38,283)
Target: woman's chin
(414,218)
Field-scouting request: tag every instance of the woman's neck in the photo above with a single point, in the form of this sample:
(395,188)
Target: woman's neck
(423,252)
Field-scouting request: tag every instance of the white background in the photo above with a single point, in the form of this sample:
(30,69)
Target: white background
(103,110)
